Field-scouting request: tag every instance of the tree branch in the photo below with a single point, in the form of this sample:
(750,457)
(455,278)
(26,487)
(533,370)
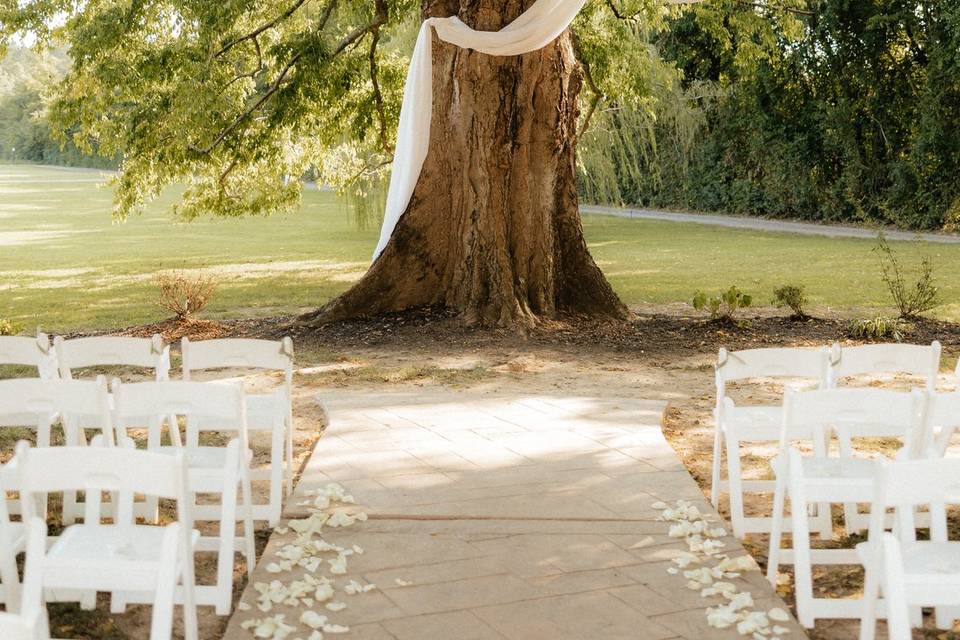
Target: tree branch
(377,94)
(598,95)
(617,13)
(253,34)
(379,19)
(772,7)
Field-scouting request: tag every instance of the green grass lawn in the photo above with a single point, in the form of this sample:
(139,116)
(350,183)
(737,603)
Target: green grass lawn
(65,265)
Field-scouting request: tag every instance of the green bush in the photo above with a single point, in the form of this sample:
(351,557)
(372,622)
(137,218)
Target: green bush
(880,328)
(910,300)
(722,307)
(9,327)
(793,297)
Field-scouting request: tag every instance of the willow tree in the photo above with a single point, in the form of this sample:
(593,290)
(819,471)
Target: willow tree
(239,98)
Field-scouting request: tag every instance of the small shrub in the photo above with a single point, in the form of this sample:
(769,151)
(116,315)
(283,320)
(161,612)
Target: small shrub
(880,328)
(913,300)
(722,307)
(183,294)
(792,297)
(9,327)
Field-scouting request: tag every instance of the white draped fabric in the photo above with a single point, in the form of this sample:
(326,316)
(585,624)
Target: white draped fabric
(537,27)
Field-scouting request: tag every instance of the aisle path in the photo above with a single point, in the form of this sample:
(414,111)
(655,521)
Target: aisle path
(525,517)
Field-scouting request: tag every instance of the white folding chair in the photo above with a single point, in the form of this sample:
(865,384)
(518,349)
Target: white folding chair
(102,351)
(921,361)
(30,352)
(270,412)
(213,469)
(911,573)
(12,542)
(818,479)
(757,423)
(119,557)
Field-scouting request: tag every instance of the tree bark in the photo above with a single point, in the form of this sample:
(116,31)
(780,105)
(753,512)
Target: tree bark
(493,229)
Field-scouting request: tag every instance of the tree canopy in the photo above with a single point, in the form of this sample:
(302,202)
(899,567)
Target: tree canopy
(239,99)
(852,112)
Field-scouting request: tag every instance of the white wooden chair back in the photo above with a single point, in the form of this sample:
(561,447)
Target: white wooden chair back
(30,352)
(906,484)
(121,470)
(855,413)
(78,353)
(239,353)
(78,403)
(922,361)
(810,363)
(148,404)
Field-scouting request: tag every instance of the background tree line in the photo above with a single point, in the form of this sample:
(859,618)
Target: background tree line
(26,135)
(851,113)
(837,110)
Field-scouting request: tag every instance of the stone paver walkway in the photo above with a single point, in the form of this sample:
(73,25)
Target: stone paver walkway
(525,518)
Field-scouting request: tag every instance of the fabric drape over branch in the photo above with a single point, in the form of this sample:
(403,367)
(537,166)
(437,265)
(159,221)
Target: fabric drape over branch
(537,27)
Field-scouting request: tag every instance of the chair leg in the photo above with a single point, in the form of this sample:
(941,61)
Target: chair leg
(945,617)
(161,623)
(173,426)
(824,521)
(191,629)
(871,591)
(246,508)
(851,514)
(715,474)
(9,579)
(276,474)
(735,483)
(289,452)
(850,517)
(802,561)
(225,552)
(776,530)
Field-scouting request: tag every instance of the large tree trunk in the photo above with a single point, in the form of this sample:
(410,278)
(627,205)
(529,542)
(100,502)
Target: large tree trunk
(493,229)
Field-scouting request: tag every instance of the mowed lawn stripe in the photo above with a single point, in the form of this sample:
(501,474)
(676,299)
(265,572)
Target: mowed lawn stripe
(65,265)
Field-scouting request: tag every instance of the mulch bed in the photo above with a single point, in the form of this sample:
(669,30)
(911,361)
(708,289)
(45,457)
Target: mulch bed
(651,334)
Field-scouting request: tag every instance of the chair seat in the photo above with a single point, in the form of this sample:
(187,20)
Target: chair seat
(756,422)
(854,469)
(98,543)
(926,560)
(263,410)
(201,458)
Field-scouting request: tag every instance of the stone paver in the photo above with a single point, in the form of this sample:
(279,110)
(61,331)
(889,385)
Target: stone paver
(506,518)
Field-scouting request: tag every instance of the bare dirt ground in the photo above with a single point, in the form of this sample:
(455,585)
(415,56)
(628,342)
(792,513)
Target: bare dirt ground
(656,356)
